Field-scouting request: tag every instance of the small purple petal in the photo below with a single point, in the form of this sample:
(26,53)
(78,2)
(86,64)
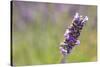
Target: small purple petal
(63,51)
(77,42)
(76,16)
(66,33)
(71,39)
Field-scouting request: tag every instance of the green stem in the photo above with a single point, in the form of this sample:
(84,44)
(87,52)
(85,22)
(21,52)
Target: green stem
(63,60)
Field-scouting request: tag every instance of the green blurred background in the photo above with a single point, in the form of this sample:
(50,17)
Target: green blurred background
(38,29)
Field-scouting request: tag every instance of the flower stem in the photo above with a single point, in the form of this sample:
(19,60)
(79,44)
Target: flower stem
(63,60)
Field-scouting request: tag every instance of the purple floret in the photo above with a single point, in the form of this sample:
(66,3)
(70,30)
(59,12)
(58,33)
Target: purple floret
(71,39)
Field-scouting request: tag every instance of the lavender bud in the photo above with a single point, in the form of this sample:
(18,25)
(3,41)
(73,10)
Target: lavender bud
(76,16)
(66,33)
(85,19)
(77,42)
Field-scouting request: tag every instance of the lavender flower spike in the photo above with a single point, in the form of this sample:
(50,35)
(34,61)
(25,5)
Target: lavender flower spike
(72,34)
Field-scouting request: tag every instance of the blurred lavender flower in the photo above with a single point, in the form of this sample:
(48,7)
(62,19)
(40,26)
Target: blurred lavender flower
(72,33)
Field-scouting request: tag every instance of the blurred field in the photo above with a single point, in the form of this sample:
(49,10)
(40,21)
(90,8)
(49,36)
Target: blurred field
(38,29)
